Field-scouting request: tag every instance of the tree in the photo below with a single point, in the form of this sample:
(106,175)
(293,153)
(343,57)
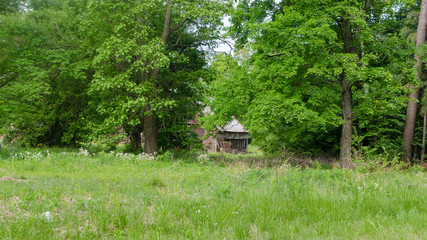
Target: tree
(43,73)
(411,110)
(11,6)
(309,61)
(135,45)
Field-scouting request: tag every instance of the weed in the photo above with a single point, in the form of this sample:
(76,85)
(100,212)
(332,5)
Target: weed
(126,196)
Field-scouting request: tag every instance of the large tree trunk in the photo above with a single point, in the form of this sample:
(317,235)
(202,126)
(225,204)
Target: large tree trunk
(150,134)
(347,127)
(347,100)
(150,126)
(411,116)
(411,110)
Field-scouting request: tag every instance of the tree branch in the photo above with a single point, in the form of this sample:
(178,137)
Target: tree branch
(167,23)
(194,43)
(177,40)
(331,83)
(228,44)
(179,25)
(367,4)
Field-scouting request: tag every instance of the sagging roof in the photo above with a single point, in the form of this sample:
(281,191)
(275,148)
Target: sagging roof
(233,126)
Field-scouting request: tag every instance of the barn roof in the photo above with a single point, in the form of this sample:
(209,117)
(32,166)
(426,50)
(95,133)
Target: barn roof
(233,126)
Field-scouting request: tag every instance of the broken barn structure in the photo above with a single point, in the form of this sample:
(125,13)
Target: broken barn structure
(232,138)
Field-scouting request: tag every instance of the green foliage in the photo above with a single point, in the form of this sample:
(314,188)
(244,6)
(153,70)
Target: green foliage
(43,74)
(284,85)
(11,6)
(380,104)
(71,71)
(139,73)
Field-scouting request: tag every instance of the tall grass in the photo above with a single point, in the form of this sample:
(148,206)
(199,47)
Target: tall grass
(123,196)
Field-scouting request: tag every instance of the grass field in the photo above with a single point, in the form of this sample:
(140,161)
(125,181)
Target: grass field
(120,196)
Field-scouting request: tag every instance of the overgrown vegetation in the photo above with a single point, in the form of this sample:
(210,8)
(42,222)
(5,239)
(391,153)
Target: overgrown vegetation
(96,98)
(122,196)
(318,78)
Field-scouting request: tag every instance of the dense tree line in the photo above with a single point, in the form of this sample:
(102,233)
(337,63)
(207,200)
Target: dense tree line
(74,70)
(314,76)
(321,77)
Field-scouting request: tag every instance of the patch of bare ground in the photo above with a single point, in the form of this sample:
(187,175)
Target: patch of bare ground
(10,178)
(11,209)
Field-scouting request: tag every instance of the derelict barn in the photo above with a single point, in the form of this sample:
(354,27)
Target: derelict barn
(232,138)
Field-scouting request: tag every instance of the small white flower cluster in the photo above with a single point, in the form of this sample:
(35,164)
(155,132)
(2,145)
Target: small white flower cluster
(28,156)
(202,158)
(84,152)
(146,157)
(130,156)
(122,156)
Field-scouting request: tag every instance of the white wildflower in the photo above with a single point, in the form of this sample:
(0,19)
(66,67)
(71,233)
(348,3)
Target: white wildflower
(28,156)
(84,152)
(146,157)
(202,158)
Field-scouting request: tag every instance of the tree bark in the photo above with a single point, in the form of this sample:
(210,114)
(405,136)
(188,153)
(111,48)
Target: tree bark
(136,138)
(424,137)
(411,109)
(411,116)
(347,100)
(150,125)
(347,127)
(150,134)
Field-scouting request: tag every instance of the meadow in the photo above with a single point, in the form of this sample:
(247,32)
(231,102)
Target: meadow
(58,194)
